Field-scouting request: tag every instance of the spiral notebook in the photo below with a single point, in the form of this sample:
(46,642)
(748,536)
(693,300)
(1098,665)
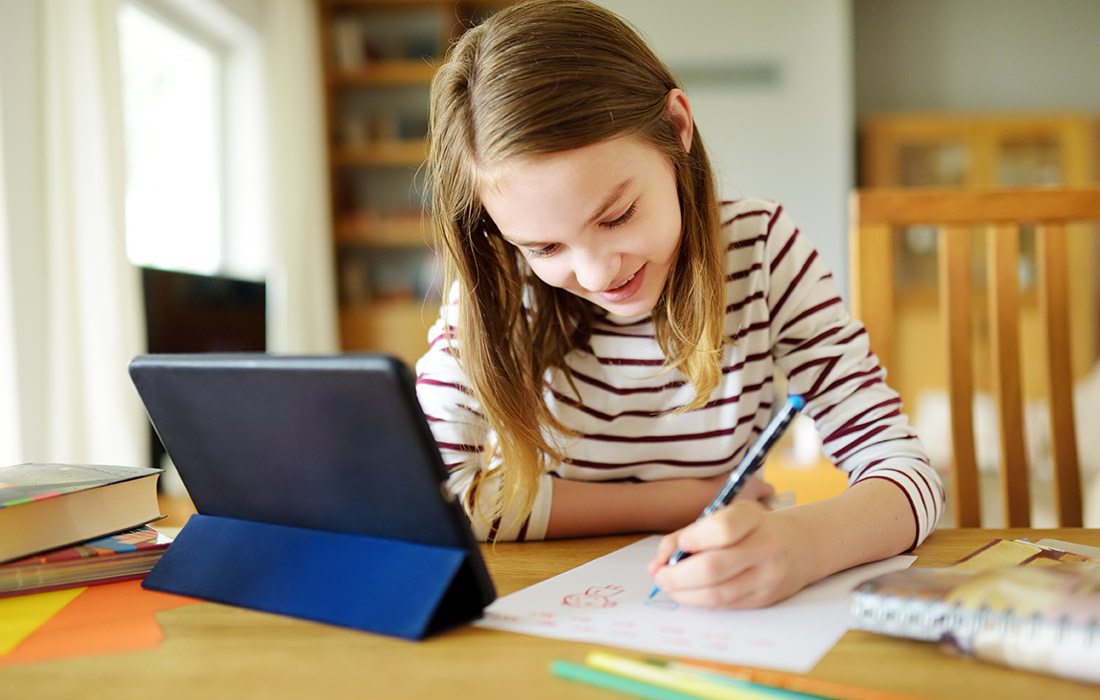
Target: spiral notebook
(1014,603)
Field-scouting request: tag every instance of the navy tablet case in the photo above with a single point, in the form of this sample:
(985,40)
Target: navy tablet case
(319,489)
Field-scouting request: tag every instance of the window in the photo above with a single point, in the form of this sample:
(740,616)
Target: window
(173,115)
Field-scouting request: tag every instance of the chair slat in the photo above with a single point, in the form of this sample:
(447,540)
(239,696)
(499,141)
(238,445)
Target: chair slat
(954,280)
(903,207)
(1050,243)
(872,269)
(1003,260)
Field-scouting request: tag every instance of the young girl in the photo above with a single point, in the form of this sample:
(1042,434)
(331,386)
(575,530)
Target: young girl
(607,350)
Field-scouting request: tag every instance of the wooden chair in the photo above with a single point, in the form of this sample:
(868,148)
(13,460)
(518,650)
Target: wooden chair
(877,214)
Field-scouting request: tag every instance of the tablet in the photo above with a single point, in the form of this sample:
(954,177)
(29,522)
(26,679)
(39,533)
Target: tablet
(333,443)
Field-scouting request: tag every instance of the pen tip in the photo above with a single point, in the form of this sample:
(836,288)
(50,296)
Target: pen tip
(653,592)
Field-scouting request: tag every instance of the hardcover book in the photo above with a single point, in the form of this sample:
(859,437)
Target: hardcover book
(46,506)
(1012,603)
(126,555)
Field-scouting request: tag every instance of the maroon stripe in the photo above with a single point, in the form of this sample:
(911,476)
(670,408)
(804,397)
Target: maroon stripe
(858,332)
(741,274)
(821,413)
(746,242)
(620,391)
(775,309)
(746,215)
(665,462)
(751,328)
(427,381)
(771,221)
(617,334)
(493,530)
(858,472)
(639,322)
(459,447)
(522,536)
(828,362)
(608,417)
(857,375)
(738,305)
(894,401)
(778,259)
(810,312)
(862,426)
(842,452)
(912,507)
(804,344)
(932,512)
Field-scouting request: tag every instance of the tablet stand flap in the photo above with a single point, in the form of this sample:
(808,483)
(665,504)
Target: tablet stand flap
(368,583)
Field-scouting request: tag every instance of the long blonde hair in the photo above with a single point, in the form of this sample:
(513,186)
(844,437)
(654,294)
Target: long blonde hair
(542,77)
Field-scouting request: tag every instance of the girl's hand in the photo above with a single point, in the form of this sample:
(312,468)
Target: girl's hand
(743,556)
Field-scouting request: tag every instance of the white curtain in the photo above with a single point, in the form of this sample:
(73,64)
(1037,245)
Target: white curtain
(301,284)
(93,301)
(11,441)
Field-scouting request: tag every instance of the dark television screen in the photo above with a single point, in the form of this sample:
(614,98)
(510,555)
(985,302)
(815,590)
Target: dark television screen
(187,312)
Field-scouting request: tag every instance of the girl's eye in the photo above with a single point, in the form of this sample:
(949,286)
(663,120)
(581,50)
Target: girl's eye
(542,252)
(626,216)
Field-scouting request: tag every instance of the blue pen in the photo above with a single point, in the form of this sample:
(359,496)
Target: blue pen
(750,463)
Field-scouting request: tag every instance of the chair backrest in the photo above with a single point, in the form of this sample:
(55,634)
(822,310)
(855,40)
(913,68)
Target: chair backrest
(876,217)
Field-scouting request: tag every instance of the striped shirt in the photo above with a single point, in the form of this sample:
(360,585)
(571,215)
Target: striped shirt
(784,316)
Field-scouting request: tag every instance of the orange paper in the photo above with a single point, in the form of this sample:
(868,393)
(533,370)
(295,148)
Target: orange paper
(106,619)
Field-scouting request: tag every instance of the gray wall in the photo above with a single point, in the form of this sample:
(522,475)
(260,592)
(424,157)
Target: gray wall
(771,83)
(977,55)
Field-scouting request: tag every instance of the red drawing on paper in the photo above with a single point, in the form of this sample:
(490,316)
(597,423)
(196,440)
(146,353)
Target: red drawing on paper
(594,597)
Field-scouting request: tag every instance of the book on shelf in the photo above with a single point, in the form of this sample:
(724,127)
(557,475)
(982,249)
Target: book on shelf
(1016,603)
(119,557)
(46,506)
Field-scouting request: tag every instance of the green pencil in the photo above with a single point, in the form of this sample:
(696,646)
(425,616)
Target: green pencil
(583,674)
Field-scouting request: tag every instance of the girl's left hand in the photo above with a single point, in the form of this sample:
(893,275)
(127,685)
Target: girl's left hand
(743,556)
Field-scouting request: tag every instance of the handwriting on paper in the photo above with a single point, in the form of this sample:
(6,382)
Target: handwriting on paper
(606,601)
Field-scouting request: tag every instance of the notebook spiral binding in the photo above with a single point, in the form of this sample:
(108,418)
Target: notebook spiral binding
(940,621)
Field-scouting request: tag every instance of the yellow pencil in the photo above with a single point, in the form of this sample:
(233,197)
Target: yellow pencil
(778,679)
(680,681)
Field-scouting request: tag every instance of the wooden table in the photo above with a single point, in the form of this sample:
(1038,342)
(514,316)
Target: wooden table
(215,651)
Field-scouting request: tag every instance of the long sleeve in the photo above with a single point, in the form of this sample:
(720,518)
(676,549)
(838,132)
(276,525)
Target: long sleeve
(462,434)
(826,357)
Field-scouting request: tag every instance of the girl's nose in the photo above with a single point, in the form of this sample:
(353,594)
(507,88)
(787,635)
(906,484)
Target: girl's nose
(596,271)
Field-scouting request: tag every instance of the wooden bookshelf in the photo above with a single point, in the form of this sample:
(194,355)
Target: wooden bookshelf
(378,58)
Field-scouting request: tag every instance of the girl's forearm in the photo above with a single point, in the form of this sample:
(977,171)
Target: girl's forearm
(585,508)
(871,520)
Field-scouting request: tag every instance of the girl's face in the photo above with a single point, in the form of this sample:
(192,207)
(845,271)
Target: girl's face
(601,221)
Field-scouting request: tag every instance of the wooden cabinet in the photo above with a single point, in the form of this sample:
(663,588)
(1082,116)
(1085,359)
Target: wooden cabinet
(378,61)
(981,150)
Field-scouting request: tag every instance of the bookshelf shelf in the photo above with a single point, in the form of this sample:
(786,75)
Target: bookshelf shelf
(378,58)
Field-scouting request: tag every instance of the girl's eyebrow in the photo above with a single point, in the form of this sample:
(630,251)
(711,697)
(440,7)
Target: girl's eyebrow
(612,197)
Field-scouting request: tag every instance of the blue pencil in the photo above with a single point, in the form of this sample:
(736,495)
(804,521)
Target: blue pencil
(749,465)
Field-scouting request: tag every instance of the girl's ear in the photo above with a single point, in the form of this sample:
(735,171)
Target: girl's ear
(679,111)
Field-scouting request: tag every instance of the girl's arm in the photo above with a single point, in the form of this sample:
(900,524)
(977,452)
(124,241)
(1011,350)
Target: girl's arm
(745,557)
(585,508)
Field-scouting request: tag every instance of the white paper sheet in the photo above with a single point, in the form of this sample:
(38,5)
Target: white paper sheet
(605,602)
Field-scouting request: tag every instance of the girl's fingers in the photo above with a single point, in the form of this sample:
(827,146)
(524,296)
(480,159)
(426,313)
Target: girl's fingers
(748,589)
(664,550)
(703,571)
(724,528)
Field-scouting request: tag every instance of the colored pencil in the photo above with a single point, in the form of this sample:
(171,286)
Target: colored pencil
(594,677)
(788,681)
(695,685)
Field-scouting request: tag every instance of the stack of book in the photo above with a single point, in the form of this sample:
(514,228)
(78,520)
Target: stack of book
(65,525)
